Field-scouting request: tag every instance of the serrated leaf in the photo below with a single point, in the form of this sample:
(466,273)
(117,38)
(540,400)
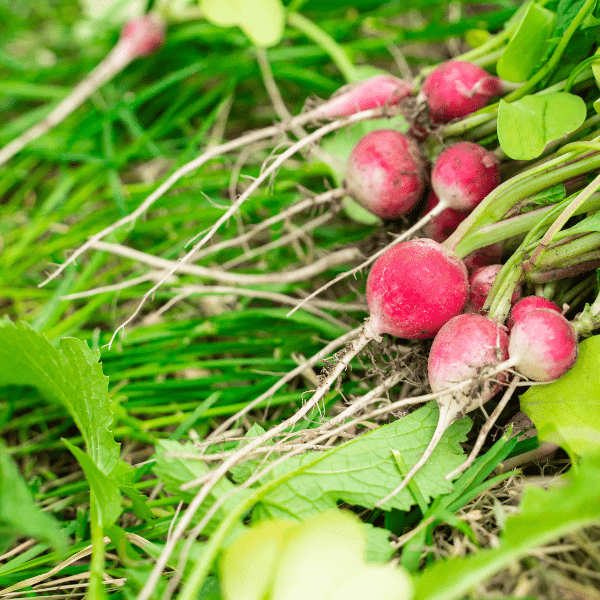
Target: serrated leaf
(106,493)
(174,471)
(19,514)
(70,375)
(567,411)
(545,515)
(363,471)
(527,125)
(139,503)
(526,47)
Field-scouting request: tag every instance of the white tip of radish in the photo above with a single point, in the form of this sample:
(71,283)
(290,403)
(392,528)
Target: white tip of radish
(144,35)
(376,91)
(543,345)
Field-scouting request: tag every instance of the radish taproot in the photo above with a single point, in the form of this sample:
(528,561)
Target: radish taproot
(524,305)
(481,282)
(543,344)
(462,348)
(386,173)
(458,88)
(376,91)
(139,37)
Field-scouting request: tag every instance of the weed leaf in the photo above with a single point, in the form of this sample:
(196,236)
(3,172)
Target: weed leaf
(567,411)
(70,375)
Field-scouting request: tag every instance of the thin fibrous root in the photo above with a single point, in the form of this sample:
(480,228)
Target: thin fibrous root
(215,151)
(404,236)
(485,430)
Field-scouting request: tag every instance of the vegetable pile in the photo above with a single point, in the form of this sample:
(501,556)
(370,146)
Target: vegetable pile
(473,187)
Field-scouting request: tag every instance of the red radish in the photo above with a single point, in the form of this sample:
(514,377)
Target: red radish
(457,88)
(363,95)
(386,173)
(462,348)
(464,175)
(414,288)
(524,305)
(481,282)
(139,37)
(483,257)
(442,226)
(543,344)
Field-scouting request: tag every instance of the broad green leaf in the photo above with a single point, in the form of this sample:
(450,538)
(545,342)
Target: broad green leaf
(567,411)
(70,375)
(362,471)
(173,471)
(526,47)
(262,21)
(18,513)
(527,125)
(106,493)
(242,472)
(545,515)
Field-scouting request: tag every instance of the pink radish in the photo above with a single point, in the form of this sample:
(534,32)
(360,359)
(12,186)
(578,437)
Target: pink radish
(376,91)
(481,282)
(414,288)
(386,173)
(464,174)
(442,226)
(524,305)
(138,38)
(543,344)
(457,88)
(483,257)
(463,347)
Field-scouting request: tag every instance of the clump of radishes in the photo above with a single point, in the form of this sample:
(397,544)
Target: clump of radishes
(543,344)
(414,288)
(458,88)
(376,91)
(386,173)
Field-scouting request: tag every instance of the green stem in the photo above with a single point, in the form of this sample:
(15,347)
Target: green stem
(556,55)
(96,590)
(325,41)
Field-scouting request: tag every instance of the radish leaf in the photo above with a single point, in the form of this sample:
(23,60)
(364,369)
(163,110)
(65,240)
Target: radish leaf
(567,411)
(527,125)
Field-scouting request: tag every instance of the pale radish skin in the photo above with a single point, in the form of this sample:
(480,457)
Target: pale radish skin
(379,90)
(481,282)
(139,37)
(464,346)
(524,305)
(386,173)
(458,88)
(442,226)
(464,174)
(414,288)
(543,344)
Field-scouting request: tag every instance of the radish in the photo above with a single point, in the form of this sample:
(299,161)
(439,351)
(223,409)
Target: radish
(543,344)
(457,88)
(463,347)
(442,226)
(483,257)
(414,288)
(376,91)
(464,175)
(139,37)
(386,173)
(524,305)
(481,282)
